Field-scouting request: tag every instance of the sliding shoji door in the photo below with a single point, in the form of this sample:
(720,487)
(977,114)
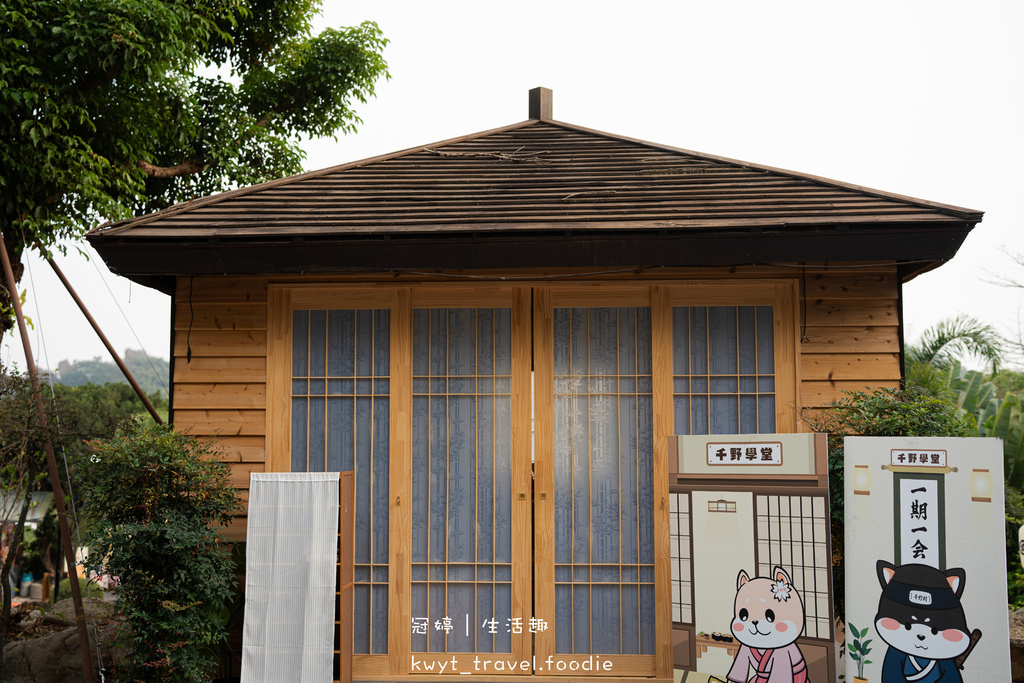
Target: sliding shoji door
(596,504)
(470,477)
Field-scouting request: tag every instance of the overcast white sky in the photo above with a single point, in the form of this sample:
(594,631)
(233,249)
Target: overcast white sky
(918,98)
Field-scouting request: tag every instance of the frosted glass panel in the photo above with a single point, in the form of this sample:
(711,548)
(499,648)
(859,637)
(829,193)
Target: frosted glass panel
(341,421)
(603,481)
(724,369)
(462,480)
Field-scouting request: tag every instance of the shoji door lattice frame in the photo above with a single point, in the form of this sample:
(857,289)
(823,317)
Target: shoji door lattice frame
(783,296)
(546,300)
(538,588)
(401,301)
(282,301)
(517,299)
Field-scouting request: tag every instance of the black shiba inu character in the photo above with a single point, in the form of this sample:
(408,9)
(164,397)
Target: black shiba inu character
(922,620)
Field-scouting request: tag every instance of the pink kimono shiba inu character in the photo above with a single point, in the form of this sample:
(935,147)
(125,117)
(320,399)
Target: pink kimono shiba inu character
(769,617)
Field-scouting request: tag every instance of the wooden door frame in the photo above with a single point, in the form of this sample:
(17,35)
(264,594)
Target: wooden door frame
(518,300)
(282,300)
(546,299)
(782,294)
(401,301)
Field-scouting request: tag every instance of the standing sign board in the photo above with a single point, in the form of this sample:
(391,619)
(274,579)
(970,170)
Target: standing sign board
(750,557)
(925,560)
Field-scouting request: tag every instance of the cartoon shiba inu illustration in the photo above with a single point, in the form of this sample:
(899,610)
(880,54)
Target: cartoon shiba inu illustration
(769,617)
(921,619)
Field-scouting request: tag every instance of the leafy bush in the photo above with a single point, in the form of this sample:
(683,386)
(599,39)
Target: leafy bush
(881,412)
(97,405)
(1008,381)
(891,412)
(997,412)
(88,589)
(150,373)
(1014,571)
(73,415)
(153,499)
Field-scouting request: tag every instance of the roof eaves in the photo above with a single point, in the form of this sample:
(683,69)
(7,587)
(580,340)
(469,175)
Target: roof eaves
(639,227)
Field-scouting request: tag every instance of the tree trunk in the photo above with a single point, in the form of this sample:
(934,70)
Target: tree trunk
(7,321)
(5,576)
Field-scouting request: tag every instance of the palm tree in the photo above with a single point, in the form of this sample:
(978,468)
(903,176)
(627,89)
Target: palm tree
(952,338)
(945,342)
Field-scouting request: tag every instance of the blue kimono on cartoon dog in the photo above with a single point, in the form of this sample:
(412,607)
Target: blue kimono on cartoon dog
(921,619)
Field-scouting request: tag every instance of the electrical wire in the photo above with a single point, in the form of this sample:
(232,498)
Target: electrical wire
(803,297)
(40,340)
(191,319)
(71,505)
(141,346)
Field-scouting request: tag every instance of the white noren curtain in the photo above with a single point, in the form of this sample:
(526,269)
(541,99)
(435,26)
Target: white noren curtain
(290,578)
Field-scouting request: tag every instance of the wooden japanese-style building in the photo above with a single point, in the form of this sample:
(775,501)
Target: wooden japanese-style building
(498,333)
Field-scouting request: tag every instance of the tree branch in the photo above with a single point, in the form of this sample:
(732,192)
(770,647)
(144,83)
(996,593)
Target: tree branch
(186,168)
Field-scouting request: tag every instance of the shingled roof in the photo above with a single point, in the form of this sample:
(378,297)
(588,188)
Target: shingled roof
(539,193)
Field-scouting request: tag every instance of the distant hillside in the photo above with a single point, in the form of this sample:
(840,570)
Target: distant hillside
(100,372)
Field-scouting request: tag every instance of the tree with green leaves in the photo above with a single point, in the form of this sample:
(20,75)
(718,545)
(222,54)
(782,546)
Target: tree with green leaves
(950,340)
(955,338)
(110,108)
(75,415)
(155,499)
(152,374)
(22,471)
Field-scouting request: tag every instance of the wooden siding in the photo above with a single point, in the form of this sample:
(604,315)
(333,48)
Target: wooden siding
(848,332)
(221,393)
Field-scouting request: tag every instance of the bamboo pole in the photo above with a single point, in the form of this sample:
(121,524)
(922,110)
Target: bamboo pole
(51,462)
(113,354)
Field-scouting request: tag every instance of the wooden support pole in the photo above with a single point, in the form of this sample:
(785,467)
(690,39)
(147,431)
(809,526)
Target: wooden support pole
(51,462)
(113,354)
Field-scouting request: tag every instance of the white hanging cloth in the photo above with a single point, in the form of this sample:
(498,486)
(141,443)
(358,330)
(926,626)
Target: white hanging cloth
(290,577)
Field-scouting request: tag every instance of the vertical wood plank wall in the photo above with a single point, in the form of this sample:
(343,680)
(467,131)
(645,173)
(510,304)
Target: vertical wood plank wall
(849,329)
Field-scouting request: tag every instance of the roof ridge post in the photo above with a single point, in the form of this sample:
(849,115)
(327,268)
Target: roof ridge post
(540,104)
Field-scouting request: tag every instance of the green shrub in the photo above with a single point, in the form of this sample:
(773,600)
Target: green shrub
(153,499)
(1014,571)
(88,588)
